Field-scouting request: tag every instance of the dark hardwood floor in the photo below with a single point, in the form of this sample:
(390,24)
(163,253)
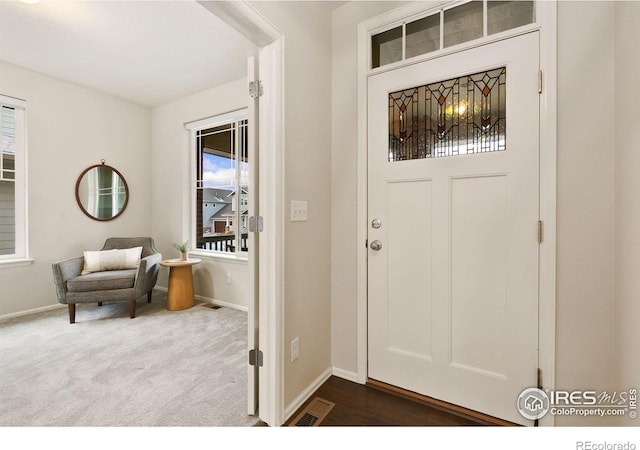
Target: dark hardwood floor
(364,405)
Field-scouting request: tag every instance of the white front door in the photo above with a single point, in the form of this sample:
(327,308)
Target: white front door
(453,154)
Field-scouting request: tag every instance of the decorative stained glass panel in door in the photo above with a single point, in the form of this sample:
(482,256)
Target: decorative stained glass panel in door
(453,117)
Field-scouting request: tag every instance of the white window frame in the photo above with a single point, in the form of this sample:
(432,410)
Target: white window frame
(194,127)
(21,254)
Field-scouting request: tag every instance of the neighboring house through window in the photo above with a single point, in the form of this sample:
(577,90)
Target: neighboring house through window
(221,178)
(13,209)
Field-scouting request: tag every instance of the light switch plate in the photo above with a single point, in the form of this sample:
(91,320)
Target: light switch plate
(298,211)
(295,349)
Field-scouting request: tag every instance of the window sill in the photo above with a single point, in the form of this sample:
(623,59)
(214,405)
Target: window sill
(220,256)
(19,262)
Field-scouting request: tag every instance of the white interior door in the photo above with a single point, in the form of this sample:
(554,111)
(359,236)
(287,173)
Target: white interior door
(454,184)
(253,312)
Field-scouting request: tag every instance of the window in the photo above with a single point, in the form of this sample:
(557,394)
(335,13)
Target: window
(221,183)
(13,245)
(453,117)
(462,23)
(446,27)
(386,47)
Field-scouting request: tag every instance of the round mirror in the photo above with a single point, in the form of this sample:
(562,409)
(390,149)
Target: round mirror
(102,192)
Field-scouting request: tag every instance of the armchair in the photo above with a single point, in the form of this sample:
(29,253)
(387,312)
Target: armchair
(108,286)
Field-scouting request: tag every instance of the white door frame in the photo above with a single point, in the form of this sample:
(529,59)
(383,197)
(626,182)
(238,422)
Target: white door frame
(546,23)
(246,20)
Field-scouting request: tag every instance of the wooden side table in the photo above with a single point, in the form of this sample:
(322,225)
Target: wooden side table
(180,294)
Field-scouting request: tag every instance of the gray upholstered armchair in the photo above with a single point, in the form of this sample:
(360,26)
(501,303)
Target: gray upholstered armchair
(112,285)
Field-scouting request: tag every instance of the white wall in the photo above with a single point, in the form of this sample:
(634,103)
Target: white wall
(307,108)
(627,206)
(170,179)
(585,199)
(68,129)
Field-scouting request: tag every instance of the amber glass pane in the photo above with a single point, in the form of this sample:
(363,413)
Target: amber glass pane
(423,36)
(463,23)
(453,117)
(386,47)
(503,16)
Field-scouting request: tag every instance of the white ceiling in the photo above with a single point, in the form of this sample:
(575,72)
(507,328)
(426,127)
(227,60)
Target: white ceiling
(148,52)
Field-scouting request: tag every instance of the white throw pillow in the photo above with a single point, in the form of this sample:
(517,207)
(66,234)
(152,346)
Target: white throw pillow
(98,261)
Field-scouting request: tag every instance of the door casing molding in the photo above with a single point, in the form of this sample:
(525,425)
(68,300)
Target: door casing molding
(546,24)
(241,16)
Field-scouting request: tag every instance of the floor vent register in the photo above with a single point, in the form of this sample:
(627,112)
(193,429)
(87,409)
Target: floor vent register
(313,414)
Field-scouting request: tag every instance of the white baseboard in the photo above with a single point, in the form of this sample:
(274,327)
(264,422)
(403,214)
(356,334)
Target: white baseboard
(28,312)
(345,374)
(213,301)
(306,394)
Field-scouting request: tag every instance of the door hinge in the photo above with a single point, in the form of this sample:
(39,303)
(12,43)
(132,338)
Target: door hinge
(255,224)
(255,357)
(255,89)
(539,377)
(539,386)
(539,81)
(540,231)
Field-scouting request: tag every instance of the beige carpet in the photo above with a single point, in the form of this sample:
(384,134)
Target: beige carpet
(163,368)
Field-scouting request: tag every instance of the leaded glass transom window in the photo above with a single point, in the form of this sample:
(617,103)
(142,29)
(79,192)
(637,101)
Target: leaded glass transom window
(459,116)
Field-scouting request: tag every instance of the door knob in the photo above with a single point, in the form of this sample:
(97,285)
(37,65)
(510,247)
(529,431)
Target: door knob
(376,245)
(376,223)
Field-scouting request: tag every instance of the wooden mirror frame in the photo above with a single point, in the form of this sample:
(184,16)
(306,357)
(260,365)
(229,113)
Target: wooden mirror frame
(81,204)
